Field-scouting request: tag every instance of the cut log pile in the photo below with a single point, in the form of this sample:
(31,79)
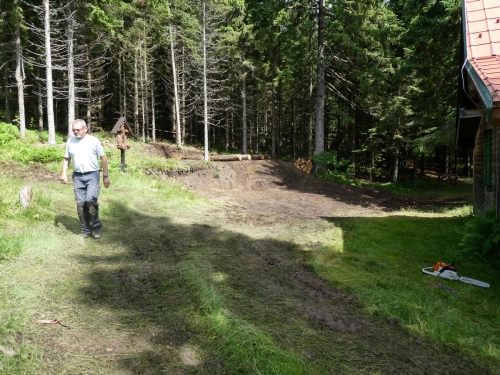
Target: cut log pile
(238,157)
(304,165)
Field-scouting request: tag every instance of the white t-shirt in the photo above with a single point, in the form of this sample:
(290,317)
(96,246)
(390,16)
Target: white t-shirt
(84,153)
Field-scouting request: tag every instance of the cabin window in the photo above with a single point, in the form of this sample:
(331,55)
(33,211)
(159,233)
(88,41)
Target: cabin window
(488,160)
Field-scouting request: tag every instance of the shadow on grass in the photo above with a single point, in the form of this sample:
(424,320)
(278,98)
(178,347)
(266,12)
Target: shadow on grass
(201,299)
(72,224)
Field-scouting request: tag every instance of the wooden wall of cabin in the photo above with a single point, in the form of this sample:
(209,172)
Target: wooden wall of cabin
(483,199)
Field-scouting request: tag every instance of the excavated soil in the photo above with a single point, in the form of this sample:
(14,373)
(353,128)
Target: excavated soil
(276,189)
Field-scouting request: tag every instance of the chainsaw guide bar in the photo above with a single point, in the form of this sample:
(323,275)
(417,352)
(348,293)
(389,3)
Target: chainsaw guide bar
(449,272)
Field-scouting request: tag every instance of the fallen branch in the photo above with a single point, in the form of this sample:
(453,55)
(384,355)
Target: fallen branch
(238,157)
(50,321)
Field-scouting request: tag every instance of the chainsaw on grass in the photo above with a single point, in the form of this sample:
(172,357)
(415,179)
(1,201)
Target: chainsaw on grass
(449,271)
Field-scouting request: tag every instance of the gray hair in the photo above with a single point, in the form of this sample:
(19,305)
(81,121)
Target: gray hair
(80,122)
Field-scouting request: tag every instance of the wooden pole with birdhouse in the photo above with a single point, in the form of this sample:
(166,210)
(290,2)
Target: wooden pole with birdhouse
(121,131)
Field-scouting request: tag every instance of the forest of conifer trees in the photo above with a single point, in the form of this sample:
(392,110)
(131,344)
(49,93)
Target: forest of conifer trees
(372,81)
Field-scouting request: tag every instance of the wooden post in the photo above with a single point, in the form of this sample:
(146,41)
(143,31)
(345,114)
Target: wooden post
(120,131)
(123,165)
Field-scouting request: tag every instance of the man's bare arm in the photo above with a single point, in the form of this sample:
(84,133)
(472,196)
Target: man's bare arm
(65,166)
(105,177)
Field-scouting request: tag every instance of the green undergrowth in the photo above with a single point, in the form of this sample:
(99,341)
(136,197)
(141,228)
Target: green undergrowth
(30,149)
(139,161)
(33,148)
(481,237)
(428,188)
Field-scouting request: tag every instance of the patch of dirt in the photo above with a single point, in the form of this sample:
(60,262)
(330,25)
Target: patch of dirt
(275,189)
(171,151)
(33,172)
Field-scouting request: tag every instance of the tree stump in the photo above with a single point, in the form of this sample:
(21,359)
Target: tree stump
(25,196)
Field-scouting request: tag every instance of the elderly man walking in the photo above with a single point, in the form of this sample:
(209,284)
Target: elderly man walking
(85,150)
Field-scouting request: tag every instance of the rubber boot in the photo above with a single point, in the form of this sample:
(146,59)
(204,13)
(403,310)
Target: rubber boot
(95,223)
(84,216)
(97,233)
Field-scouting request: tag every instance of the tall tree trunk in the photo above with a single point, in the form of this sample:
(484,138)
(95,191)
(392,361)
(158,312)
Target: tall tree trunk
(8,118)
(231,130)
(71,71)
(422,164)
(310,133)
(257,131)
(395,171)
(319,146)
(294,130)
(174,120)
(279,115)
(227,130)
(120,87)
(100,110)
(40,112)
(89,90)
(153,113)
(251,133)
(144,91)
(143,106)
(244,112)
(205,93)
(48,73)
(40,102)
(415,167)
(273,124)
(178,139)
(183,85)
(146,87)
(124,82)
(20,78)
(353,141)
(372,165)
(136,94)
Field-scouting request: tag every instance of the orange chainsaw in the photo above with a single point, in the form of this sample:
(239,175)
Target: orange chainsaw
(449,271)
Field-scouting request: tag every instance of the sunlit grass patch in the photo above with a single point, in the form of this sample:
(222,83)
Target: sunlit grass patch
(11,246)
(463,211)
(245,347)
(437,211)
(381,264)
(14,215)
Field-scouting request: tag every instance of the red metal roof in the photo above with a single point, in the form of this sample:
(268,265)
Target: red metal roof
(483,43)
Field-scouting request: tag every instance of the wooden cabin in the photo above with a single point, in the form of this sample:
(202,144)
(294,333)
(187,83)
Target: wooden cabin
(478,117)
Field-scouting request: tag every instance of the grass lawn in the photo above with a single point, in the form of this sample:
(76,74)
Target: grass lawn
(173,287)
(379,260)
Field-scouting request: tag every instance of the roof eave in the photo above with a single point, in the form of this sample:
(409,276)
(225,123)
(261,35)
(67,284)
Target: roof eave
(482,90)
